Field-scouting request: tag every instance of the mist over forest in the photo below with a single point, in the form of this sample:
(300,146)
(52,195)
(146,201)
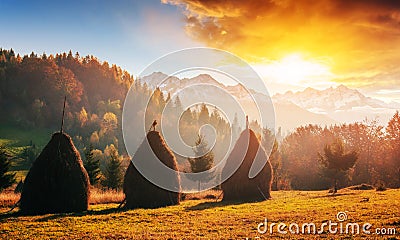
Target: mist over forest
(32,90)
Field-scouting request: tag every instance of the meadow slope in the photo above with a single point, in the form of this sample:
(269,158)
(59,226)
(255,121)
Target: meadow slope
(207,219)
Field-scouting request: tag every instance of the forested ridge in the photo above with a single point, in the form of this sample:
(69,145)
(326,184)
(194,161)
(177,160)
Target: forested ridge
(32,89)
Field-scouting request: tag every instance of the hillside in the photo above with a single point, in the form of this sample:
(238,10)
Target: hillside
(207,219)
(32,89)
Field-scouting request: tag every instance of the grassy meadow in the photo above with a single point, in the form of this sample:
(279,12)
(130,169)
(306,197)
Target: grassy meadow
(12,134)
(16,140)
(198,216)
(211,219)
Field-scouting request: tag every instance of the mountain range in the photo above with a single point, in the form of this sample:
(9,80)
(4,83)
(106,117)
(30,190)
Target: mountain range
(342,104)
(292,109)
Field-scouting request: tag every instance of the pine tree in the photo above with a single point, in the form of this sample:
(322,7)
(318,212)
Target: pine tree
(92,166)
(168,98)
(113,173)
(204,115)
(6,179)
(336,162)
(30,153)
(202,162)
(271,146)
(178,104)
(235,128)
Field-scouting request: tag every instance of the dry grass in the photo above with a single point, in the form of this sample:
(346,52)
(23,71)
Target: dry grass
(98,196)
(8,198)
(207,219)
(209,194)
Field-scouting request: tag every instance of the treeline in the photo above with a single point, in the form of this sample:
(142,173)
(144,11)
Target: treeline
(32,89)
(297,164)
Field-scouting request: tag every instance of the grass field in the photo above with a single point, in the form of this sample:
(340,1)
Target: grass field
(16,136)
(208,219)
(16,139)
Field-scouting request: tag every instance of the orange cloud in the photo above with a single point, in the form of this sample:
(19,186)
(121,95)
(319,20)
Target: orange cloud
(355,35)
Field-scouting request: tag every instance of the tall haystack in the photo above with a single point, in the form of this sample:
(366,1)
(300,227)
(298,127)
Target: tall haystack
(140,192)
(239,187)
(57,181)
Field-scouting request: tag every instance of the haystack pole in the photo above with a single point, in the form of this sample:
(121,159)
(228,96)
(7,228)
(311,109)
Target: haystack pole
(63,114)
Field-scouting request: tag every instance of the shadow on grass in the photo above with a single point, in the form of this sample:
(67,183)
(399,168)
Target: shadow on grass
(209,205)
(52,216)
(330,195)
(81,214)
(5,215)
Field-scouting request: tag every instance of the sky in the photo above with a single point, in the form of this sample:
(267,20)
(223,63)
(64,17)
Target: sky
(292,44)
(128,33)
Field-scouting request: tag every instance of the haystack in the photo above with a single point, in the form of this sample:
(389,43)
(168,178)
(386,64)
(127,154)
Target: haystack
(140,192)
(239,187)
(57,181)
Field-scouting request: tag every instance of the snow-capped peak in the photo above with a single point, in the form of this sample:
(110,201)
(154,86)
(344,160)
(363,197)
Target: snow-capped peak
(331,99)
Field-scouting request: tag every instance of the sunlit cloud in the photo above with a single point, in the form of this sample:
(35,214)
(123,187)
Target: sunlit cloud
(360,38)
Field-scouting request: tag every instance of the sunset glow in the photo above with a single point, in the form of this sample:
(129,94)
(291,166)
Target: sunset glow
(293,69)
(358,38)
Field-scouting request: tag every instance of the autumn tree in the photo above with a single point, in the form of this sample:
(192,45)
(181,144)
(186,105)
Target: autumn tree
(110,123)
(367,138)
(299,153)
(82,117)
(336,161)
(6,178)
(203,161)
(393,137)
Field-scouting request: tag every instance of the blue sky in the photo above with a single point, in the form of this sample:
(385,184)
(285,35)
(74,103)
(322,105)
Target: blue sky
(134,33)
(130,34)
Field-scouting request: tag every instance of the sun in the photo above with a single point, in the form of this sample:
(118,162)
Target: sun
(293,69)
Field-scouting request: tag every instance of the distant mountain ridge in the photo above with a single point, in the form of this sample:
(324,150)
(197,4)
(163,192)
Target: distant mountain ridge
(283,110)
(340,103)
(292,109)
(332,99)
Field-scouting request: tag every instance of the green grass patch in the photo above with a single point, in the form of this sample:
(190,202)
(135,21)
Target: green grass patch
(16,136)
(21,174)
(17,139)
(206,219)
